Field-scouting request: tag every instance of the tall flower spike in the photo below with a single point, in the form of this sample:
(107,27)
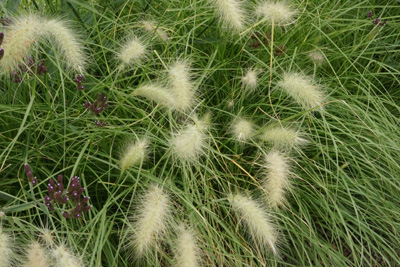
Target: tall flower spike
(64,258)
(276,182)
(242,129)
(231,14)
(282,137)
(6,252)
(150,26)
(189,144)
(187,252)
(150,222)
(131,52)
(278,12)
(36,256)
(302,89)
(181,86)
(157,93)
(257,220)
(134,153)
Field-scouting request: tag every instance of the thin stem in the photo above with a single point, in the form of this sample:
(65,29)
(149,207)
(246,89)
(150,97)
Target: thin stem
(270,69)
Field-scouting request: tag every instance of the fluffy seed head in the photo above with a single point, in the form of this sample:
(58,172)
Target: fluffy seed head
(64,258)
(317,57)
(302,89)
(231,13)
(249,80)
(68,43)
(150,26)
(182,88)
(157,93)
(242,129)
(18,39)
(6,252)
(36,256)
(257,220)
(276,182)
(278,12)
(131,52)
(150,222)
(190,143)
(134,154)
(187,252)
(282,138)
(47,236)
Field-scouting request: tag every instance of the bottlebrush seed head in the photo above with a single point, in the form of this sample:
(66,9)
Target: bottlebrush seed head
(131,52)
(231,14)
(276,182)
(157,93)
(18,39)
(6,252)
(36,256)
(190,143)
(317,57)
(282,137)
(151,26)
(67,42)
(187,251)
(64,258)
(302,89)
(181,86)
(278,12)
(250,79)
(242,129)
(257,220)
(134,154)
(150,222)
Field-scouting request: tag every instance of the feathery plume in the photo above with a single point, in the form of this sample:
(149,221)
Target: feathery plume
(256,219)
(36,256)
(68,43)
(317,57)
(150,222)
(249,80)
(278,12)
(134,154)
(242,129)
(5,249)
(189,144)
(157,93)
(282,137)
(187,252)
(302,89)
(64,258)
(47,236)
(231,13)
(150,26)
(182,88)
(18,39)
(24,31)
(131,52)
(276,182)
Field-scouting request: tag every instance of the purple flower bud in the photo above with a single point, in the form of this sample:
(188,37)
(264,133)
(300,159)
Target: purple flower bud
(65,215)
(78,215)
(87,207)
(1,53)
(46,198)
(376,21)
(383,23)
(1,37)
(81,87)
(35,180)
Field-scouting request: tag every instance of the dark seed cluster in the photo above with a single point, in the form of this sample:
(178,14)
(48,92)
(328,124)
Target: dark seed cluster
(376,21)
(32,179)
(57,194)
(97,107)
(29,67)
(78,80)
(1,42)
